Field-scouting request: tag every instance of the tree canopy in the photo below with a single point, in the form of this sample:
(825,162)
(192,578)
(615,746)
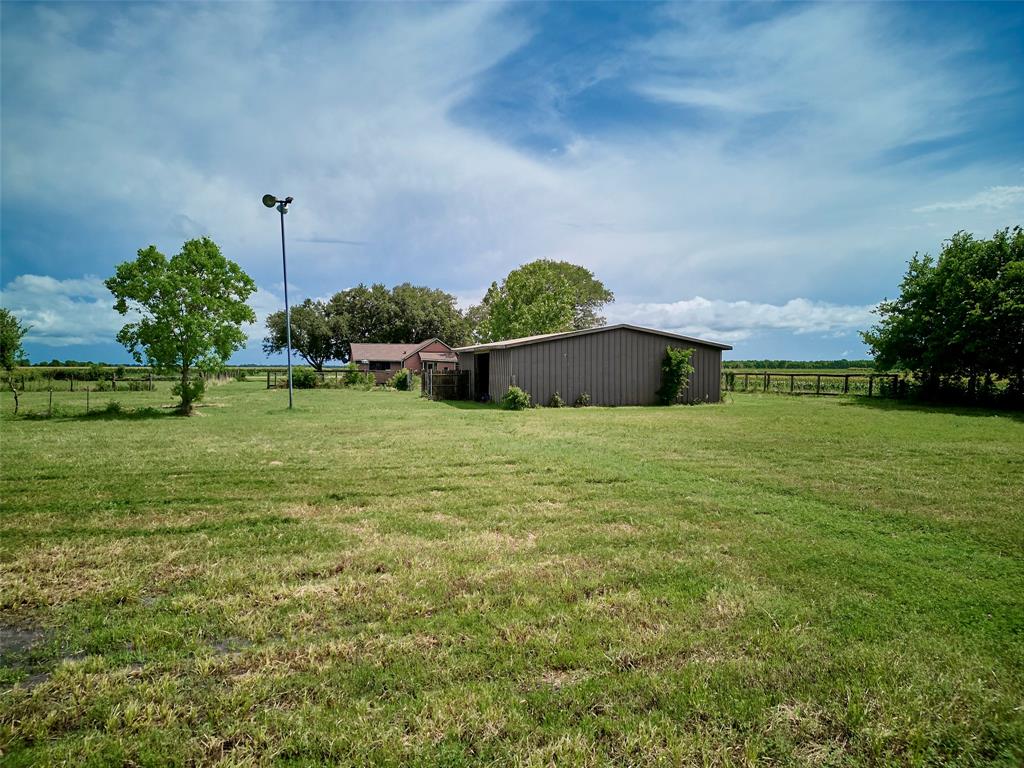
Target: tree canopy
(317,335)
(543,296)
(960,317)
(12,331)
(190,311)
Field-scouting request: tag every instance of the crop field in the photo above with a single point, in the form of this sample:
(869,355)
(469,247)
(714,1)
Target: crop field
(378,579)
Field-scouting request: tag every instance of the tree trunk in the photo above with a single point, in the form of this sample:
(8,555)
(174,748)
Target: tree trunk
(14,389)
(186,393)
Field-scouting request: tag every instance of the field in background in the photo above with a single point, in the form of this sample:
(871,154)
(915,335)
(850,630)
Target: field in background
(378,578)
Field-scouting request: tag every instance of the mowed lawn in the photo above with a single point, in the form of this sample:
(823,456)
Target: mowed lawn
(378,579)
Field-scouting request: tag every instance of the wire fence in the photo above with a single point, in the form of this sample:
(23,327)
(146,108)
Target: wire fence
(863,384)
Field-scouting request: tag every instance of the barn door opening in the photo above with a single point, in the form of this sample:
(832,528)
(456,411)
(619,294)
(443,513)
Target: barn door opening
(481,375)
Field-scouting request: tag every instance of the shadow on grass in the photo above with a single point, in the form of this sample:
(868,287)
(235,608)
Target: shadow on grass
(468,405)
(102,414)
(889,404)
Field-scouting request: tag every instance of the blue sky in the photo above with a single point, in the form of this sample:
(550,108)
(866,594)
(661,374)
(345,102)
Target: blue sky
(757,174)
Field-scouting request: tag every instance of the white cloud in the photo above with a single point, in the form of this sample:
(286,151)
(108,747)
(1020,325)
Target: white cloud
(785,194)
(738,320)
(993,198)
(75,311)
(63,312)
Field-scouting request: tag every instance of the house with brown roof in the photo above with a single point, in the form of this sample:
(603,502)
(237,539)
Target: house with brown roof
(385,360)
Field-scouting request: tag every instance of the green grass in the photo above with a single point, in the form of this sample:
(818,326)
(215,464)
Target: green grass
(374,578)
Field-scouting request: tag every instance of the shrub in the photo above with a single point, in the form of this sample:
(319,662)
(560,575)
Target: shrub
(556,401)
(353,376)
(675,374)
(730,380)
(401,381)
(582,400)
(239,374)
(304,378)
(196,388)
(515,399)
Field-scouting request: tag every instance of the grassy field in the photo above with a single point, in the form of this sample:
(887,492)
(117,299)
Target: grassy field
(374,578)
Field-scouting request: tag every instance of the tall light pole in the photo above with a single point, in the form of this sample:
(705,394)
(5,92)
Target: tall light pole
(282,205)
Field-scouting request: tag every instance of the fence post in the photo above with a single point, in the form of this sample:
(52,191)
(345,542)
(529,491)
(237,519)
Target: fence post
(871,385)
(72,383)
(268,379)
(817,386)
(150,381)
(87,399)
(767,381)
(846,384)
(49,409)
(792,380)
(113,382)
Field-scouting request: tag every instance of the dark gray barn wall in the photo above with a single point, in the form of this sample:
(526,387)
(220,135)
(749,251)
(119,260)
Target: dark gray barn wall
(617,367)
(467,363)
(500,374)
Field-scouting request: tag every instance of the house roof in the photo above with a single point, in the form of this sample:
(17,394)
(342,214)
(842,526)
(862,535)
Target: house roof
(438,357)
(392,353)
(549,336)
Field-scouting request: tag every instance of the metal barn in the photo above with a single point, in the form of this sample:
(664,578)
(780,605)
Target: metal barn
(615,365)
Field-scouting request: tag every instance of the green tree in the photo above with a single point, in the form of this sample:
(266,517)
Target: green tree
(368,313)
(958,317)
(317,335)
(405,313)
(422,313)
(190,310)
(12,331)
(543,296)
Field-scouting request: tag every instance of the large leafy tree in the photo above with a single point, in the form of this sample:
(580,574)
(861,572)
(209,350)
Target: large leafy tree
(368,313)
(423,313)
(543,296)
(191,309)
(405,313)
(317,335)
(960,316)
(12,331)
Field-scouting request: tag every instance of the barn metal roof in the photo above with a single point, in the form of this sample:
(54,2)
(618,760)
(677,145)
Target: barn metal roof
(549,336)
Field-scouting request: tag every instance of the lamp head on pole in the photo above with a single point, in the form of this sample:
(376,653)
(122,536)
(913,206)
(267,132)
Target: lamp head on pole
(282,205)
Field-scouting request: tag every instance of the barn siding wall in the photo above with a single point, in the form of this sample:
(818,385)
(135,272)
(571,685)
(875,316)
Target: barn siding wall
(615,367)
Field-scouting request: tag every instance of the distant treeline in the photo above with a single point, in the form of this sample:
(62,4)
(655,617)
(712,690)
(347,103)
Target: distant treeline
(812,365)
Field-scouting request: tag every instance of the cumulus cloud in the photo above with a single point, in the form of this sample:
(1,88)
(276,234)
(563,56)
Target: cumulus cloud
(766,176)
(78,311)
(739,320)
(63,312)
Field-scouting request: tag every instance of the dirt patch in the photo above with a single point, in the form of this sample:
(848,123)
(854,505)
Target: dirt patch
(229,645)
(15,639)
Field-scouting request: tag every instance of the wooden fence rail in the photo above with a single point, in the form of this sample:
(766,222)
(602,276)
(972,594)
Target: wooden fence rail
(865,384)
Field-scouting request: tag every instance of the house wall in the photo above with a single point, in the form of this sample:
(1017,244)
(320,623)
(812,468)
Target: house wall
(616,367)
(413,362)
(382,377)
